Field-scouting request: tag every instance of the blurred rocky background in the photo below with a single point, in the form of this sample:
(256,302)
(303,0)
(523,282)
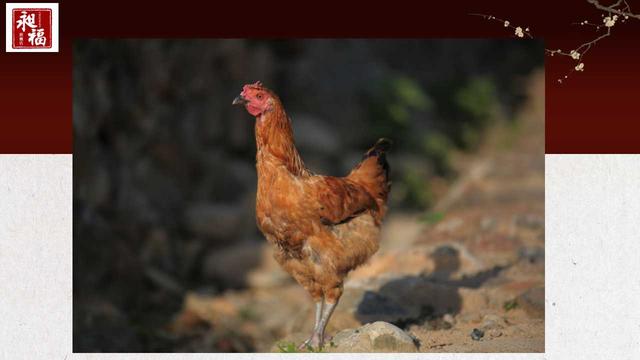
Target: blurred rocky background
(167,257)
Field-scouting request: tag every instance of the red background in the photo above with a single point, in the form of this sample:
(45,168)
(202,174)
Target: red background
(591,112)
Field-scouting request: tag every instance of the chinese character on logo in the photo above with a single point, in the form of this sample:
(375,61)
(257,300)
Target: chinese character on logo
(32,27)
(37,38)
(26,20)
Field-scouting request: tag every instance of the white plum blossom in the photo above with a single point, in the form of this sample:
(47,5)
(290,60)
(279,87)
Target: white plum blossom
(610,21)
(574,55)
(580,67)
(506,23)
(519,32)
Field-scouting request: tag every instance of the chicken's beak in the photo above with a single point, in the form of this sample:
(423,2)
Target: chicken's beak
(239,100)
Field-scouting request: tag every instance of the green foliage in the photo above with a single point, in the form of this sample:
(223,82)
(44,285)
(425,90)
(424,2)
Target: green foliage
(290,347)
(393,105)
(287,347)
(465,106)
(477,101)
(477,98)
(437,149)
(418,193)
(409,93)
(510,305)
(432,218)
(247,314)
(511,131)
(314,350)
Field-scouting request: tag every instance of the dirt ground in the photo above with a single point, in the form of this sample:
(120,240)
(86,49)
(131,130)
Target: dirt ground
(475,262)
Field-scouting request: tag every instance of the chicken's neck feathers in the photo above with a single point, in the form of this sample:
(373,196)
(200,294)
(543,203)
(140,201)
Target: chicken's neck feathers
(274,138)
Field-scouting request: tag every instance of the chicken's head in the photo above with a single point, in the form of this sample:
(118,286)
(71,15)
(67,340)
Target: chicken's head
(255,98)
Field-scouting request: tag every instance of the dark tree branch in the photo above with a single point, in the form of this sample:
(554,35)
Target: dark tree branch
(612,8)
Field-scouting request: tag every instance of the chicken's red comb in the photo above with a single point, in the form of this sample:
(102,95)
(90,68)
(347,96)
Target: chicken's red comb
(256,85)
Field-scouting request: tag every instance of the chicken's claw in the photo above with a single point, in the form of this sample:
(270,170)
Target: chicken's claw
(314,343)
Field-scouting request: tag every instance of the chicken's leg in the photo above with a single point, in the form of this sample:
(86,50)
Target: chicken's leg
(310,341)
(319,331)
(330,301)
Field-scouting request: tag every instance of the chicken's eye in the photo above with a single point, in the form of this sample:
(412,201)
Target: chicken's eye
(259,96)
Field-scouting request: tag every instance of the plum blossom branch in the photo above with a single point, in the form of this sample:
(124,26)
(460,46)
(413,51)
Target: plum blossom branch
(613,12)
(518,31)
(620,11)
(612,8)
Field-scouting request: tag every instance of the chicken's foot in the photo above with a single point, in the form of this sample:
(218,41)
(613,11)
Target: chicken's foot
(317,338)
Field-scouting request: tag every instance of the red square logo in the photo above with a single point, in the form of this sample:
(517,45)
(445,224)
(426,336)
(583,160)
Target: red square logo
(32,28)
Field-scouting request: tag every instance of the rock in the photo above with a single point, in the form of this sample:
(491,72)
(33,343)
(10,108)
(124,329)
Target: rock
(211,309)
(532,254)
(472,300)
(414,261)
(530,221)
(477,334)
(269,274)
(492,321)
(104,327)
(532,301)
(450,225)
(232,265)
(400,231)
(314,134)
(488,223)
(449,319)
(216,220)
(375,337)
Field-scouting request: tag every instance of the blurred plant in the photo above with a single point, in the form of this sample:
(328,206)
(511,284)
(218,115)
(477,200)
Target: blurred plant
(477,101)
(477,98)
(287,347)
(510,305)
(393,105)
(432,217)
(248,314)
(437,149)
(417,192)
(290,347)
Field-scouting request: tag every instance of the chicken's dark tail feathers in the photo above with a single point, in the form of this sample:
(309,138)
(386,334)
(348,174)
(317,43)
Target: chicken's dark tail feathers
(382,145)
(379,150)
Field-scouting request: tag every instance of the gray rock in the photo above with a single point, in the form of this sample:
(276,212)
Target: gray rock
(532,301)
(492,321)
(375,337)
(216,220)
(477,334)
(314,134)
(530,221)
(449,319)
(231,265)
(532,254)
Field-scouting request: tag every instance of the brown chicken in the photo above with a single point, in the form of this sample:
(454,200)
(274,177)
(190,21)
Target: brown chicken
(322,227)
